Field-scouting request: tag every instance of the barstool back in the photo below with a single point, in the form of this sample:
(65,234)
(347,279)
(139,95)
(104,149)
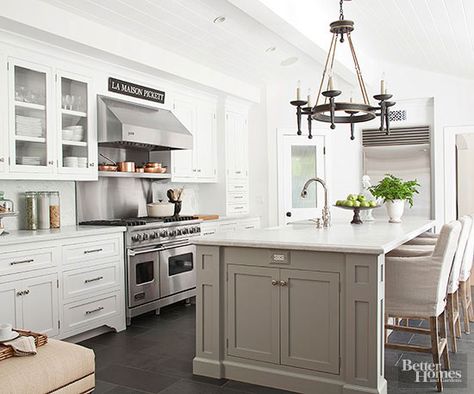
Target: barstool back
(466,225)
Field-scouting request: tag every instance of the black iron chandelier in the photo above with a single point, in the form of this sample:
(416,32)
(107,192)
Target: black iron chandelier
(350,112)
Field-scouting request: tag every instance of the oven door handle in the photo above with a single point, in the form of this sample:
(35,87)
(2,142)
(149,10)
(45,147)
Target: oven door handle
(176,244)
(133,253)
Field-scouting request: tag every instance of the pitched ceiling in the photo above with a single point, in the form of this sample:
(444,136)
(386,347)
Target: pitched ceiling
(434,35)
(237,47)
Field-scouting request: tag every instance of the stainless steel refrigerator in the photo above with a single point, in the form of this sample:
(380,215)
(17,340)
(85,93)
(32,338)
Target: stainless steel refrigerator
(405,153)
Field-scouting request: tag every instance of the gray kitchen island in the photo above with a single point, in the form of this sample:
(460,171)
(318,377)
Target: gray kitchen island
(296,307)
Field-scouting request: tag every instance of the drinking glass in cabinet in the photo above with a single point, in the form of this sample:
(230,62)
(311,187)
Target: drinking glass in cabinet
(74,95)
(30,86)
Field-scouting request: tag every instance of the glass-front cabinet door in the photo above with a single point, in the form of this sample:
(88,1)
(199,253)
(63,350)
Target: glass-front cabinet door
(31,138)
(76,148)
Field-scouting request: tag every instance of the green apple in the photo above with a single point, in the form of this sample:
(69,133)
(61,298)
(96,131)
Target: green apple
(373,203)
(351,197)
(356,203)
(361,197)
(349,203)
(338,203)
(365,204)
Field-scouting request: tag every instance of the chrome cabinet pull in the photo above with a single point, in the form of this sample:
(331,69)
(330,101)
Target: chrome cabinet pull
(2,159)
(22,262)
(274,282)
(94,279)
(22,293)
(283,283)
(95,310)
(93,251)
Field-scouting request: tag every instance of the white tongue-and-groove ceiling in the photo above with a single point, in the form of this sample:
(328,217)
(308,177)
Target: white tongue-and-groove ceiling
(236,47)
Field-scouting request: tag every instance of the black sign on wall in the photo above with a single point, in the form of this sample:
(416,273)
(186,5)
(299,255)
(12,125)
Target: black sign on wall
(134,90)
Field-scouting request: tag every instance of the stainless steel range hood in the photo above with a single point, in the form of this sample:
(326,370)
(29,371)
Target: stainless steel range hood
(122,124)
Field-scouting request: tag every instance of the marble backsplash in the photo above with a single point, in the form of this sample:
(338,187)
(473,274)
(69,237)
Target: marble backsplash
(14,190)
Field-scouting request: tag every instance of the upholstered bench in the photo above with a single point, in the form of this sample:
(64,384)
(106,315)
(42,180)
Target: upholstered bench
(59,367)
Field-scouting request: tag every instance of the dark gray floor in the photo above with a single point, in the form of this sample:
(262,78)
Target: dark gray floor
(154,355)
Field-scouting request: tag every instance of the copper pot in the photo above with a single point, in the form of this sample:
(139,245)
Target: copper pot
(152,164)
(126,166)
(107,167)
(139,169)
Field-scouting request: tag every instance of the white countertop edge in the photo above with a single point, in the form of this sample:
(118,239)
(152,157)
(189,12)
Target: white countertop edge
(383,249)
(23,236)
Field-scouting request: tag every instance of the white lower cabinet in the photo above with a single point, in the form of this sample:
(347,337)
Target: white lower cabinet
(222,226)
(273,313)
(64,287)
(31,304)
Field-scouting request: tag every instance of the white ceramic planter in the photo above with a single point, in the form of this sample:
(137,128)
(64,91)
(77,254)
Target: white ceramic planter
(395,210)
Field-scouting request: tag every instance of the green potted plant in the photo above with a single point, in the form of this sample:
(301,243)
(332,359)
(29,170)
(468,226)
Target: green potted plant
(394,192)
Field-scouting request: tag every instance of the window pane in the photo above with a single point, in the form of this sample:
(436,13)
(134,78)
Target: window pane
(303,167)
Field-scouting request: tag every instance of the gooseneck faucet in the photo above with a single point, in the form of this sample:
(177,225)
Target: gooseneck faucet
(326,213)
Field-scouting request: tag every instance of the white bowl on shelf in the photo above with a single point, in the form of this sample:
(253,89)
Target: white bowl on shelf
(71,161)
(75,128)
(67,134)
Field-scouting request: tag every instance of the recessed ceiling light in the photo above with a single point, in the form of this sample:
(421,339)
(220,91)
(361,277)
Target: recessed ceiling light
(219,19)
(289,61)
(270,49)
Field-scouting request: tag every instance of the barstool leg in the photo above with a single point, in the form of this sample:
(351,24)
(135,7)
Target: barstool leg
(457,313)
(452,330)
(435,350)
(464,305)
(443,335)
(469,296)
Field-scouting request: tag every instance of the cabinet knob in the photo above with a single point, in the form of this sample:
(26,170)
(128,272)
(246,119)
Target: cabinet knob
(283,283)
(274,282)
(2,159)
(19,293)
(27,292)
(91,164)
(51,162)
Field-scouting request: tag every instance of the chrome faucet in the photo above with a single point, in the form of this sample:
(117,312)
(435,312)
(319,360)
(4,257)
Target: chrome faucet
(326,213)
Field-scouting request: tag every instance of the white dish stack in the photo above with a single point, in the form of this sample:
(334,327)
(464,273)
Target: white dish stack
(76,162)
(28,126)
(73,133)
(29,160)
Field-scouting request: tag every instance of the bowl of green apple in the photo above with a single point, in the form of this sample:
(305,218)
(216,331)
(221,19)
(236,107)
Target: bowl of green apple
(356,203)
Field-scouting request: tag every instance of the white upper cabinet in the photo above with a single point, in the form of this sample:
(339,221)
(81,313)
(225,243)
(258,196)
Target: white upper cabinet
(49,131)
(31,125)
(183,160)
(77,140)
(200,163)
(237,144)
(3,117)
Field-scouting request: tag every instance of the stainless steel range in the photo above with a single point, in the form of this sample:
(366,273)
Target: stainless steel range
(160,261)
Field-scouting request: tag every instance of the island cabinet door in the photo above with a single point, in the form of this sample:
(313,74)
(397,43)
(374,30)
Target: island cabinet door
(310,320)
(253,313)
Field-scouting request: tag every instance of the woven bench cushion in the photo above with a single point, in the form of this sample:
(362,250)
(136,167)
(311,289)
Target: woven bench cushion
(56,365)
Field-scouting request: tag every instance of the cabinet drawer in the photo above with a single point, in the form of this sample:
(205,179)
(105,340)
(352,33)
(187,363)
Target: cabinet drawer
(95,251)
(234,209)
(86,281)
(238,198)
(227,226)
(237,187)
(249,224)
(91,310)
(27,260)
(208,228)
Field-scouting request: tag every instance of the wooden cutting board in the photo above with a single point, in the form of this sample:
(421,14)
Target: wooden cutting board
(207,217)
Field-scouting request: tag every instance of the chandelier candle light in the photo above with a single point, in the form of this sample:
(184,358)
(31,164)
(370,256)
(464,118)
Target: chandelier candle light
(334,112)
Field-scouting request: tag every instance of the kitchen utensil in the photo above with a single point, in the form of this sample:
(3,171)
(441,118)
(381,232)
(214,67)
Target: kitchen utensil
(152,164)
(160,209)
(126,166)
(170,195)
(207,217)
(153,170)
(106,158)
(107,167)
(178,193)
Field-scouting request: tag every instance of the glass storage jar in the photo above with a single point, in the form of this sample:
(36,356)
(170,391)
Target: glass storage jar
(54,210)
(6,205)
(43,210)
(31,202)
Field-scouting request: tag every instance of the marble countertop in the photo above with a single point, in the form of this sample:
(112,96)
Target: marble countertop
(377,237)
(22,236)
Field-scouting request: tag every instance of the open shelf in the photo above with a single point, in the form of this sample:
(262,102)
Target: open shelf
(23,104)
(133,175)
(74,113)
(40,140)
(74,143)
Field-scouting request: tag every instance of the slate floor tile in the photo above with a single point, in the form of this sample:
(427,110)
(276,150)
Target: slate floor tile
(135,378)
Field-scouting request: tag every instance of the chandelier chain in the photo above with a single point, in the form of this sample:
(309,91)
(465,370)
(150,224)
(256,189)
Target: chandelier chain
(341,11)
